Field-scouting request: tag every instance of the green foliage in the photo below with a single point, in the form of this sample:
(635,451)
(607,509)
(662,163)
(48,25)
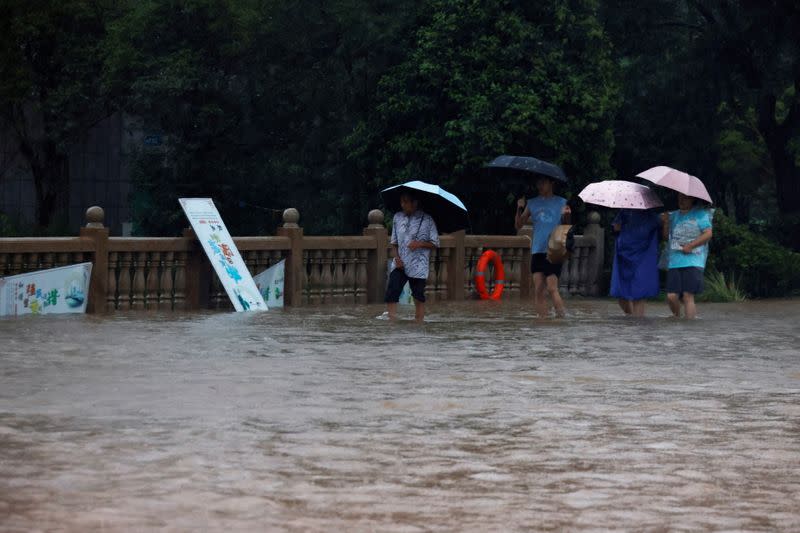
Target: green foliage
(719,289)
(7,228)
(50,91)
(485,78)
(763,267)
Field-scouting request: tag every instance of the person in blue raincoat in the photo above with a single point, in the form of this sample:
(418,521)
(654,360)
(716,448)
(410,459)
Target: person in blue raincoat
(634,274)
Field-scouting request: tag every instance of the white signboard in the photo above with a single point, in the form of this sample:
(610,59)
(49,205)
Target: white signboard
(56,290)
(270,283)
(224,257)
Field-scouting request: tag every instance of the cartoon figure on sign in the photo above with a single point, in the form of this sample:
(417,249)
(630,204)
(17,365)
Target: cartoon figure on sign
(227,252)
(74,296)
(233,273)
(245,303)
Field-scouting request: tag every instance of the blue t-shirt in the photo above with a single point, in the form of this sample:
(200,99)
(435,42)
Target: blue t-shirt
(545,216)
(683,229)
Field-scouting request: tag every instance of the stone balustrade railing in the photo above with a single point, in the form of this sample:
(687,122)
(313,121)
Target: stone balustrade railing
(132,273)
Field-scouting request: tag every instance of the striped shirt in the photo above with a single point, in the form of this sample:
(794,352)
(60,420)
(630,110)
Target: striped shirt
(418,226)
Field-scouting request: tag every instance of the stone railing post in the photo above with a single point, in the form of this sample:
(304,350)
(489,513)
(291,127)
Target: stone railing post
(376,260)
(98,285)
(597,255)
(525,277)
(198,274)
(293,276)
(455,268)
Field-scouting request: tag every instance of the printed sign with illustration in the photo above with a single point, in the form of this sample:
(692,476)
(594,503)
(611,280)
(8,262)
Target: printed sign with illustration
(56,290)
(224,257)
(270,283)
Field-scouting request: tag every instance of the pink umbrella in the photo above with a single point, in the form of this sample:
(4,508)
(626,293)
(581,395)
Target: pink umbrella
(677,181)
(621,194)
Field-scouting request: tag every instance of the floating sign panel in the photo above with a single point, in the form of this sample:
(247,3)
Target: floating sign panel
(55,290)
(270,283)
(225,258)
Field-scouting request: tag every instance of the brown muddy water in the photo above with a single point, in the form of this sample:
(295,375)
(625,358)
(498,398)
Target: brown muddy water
(325,419)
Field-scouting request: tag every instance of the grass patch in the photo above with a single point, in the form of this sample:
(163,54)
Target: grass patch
(718,288)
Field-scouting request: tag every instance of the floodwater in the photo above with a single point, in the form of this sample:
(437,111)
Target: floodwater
(326,419)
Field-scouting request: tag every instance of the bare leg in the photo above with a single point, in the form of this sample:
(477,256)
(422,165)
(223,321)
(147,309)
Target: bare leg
(637,308)
(552,290)
(392,309)
(688,303)
(674,304)
(419,311)
(539,291)
(625,305)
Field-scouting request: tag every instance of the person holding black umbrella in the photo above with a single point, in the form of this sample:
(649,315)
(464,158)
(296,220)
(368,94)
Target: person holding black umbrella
(545,212)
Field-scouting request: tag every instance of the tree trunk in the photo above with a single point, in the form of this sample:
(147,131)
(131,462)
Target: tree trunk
(787,180)
(50,172)
(777,138)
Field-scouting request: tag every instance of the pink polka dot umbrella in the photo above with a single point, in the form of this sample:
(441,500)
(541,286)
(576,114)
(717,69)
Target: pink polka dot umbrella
(620,194)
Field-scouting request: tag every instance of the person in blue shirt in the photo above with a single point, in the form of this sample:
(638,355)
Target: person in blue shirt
(545,212)
(634,272)
(688,231)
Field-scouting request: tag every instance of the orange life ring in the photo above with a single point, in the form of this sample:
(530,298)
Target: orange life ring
(499,275)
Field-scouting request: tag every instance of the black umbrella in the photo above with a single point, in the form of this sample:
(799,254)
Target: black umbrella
(529,165)
(447,210)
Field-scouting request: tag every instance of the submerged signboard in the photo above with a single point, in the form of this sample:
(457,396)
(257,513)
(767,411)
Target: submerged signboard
(270,283)
(56,290)
(225,258)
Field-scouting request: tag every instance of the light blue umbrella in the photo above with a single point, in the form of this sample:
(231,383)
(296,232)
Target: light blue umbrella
(446,209)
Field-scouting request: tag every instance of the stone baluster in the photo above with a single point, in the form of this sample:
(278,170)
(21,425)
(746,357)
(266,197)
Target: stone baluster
(125,261)
(32,262)
(574,271)
(583,269)
(180,281)
(442,287)
(48,260)
(153,267)
(327,276)
(251,260)
(348,259)
(362,285)
(166,294)
(111,284)
(315,277)
(469,270)
(16,264)
(563,279)
(263,261)
(138,286)
(218,295)
(306,273)
(62,259)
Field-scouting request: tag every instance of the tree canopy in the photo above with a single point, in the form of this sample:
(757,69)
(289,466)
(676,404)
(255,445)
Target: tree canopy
(265,104)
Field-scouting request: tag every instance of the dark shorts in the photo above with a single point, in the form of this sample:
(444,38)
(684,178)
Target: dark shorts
(397,280)
(539,263)
(689,279)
